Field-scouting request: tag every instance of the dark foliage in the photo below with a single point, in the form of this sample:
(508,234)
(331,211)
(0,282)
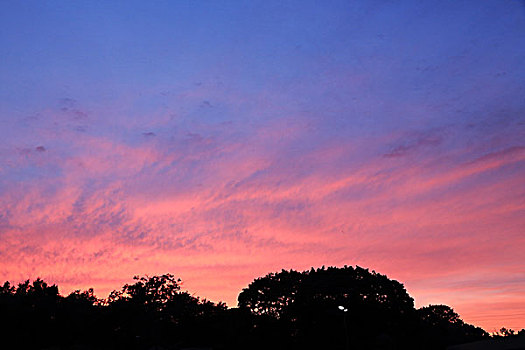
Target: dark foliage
(441,326)
(327,308)
(307,305)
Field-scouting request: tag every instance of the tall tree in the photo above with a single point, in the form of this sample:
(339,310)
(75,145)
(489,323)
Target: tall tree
(329,305)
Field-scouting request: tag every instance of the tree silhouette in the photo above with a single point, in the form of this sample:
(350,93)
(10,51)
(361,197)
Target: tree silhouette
(153,292)
(443,326)
(155,310)
(439,315)
(271,295)
(332,308)
(307,305)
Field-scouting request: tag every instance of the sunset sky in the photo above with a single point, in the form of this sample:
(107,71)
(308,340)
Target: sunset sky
(222,140)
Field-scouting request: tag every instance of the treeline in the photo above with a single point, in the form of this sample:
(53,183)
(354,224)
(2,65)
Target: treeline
(326,308)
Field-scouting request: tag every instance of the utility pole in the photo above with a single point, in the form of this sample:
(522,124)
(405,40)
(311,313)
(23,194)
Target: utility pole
(347,338)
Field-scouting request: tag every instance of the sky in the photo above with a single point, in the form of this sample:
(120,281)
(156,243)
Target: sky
(223,140)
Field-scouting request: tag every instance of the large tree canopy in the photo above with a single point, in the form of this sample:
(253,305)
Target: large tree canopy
(326,305)
(285,292)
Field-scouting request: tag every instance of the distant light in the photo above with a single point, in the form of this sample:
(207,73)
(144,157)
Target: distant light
(342,308)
